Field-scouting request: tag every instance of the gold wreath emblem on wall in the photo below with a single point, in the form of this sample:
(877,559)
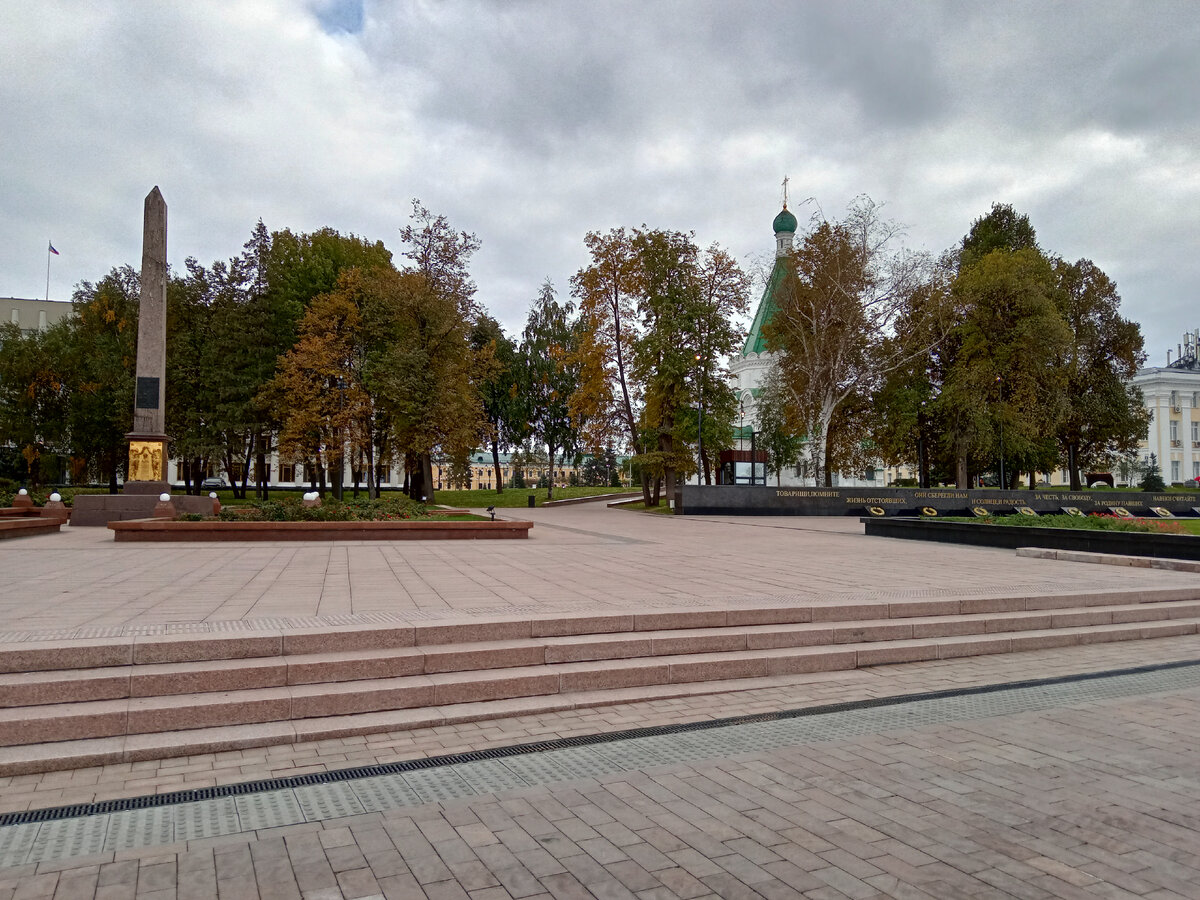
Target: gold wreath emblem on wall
(876,510)
(980,511)
(928,511)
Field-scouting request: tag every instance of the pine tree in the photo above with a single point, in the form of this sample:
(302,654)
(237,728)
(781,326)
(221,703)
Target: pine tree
(1152,478)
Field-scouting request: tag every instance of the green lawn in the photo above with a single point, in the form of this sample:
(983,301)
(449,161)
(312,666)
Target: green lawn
(1093,523)
(661,510)
(514,497)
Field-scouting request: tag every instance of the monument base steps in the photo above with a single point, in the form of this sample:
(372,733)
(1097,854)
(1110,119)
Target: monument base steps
(80,703)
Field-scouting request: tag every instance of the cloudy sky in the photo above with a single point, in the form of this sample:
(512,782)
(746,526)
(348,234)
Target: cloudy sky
(530,123)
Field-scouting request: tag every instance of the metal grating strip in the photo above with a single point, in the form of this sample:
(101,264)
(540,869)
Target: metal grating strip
(1121,682)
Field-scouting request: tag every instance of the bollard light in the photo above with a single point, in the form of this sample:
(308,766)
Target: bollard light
(56,497)
(164,498)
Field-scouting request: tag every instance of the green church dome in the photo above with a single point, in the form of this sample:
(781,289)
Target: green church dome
(785,221)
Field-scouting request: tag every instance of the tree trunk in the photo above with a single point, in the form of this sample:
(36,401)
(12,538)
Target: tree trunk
(550,481)
(260,463)
(962,478)
(1073,467)
(496,466)
(647,500)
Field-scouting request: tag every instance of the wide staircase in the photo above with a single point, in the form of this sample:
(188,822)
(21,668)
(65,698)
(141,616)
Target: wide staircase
(92,702)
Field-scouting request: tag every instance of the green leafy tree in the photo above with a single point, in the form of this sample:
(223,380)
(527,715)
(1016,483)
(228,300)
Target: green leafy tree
(600,469)
(98,370)
(1004,393)
(500,389)
(720,296)
(1003,228)
(33,397)
(441,257)
(1104,414)
(662,360)
(423,373)
(779,434)
(549,353)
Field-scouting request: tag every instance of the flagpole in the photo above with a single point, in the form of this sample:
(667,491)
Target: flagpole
(48,245)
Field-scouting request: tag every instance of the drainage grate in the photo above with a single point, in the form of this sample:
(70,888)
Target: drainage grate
(279,801)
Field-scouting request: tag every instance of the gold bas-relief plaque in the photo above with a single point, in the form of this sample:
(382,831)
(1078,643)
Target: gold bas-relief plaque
(147,461)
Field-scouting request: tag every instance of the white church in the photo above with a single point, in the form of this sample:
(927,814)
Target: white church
(750,368)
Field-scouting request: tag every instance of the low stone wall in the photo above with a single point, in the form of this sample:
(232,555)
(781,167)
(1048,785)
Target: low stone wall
(980,534)
(100,509)
(425,530)
(746,500)
(24,526)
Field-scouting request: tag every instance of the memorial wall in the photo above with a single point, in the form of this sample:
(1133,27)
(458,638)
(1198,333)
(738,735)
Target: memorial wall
(744,500)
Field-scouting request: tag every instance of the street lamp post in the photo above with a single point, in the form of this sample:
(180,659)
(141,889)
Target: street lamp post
(699,424)
(1003,480)
(922,451)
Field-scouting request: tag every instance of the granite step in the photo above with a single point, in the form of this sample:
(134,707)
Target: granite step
(256,673)
(79,752)
(91,653)
(178,712)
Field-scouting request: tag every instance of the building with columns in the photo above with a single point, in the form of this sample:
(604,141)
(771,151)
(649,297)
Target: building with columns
(1172,395)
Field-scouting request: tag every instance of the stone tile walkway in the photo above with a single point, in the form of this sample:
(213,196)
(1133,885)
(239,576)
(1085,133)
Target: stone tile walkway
(581,559)
(1096,799)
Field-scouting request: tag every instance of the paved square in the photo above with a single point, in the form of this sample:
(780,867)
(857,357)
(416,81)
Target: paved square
(1090,799)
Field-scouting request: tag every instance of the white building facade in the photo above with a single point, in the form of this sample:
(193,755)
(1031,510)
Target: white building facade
(1172,396)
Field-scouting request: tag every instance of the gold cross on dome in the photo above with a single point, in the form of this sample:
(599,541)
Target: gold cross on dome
(785,192)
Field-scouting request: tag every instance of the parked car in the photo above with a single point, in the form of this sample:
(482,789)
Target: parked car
(213,483)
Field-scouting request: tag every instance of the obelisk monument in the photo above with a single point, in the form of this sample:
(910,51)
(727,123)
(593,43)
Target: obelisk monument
(147,473)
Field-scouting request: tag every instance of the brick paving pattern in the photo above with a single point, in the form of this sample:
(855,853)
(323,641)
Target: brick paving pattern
(1098,800)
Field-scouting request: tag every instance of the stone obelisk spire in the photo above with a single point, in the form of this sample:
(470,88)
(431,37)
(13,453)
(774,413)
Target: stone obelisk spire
(148,442)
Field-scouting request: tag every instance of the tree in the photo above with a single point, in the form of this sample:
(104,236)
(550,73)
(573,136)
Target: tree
(721,295)
(662,359)
(835,329)
(1104,414)
(1004,396)
(253,305)
(549,354)
(98,371)
(606,291)
(600,470)
(779,434)
(328,408)
(440,256)
(33,396)
(422,371)
(1152,479)
(499,387)
(1001,229)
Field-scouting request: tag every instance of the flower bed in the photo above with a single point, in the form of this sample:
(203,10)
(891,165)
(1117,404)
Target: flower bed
(433,528)
(292,519)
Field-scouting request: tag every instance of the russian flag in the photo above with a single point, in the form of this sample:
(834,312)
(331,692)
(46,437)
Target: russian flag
(52,250)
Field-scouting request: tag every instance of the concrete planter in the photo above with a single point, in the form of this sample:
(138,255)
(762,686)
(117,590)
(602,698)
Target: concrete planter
(979,534)
(423,530)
